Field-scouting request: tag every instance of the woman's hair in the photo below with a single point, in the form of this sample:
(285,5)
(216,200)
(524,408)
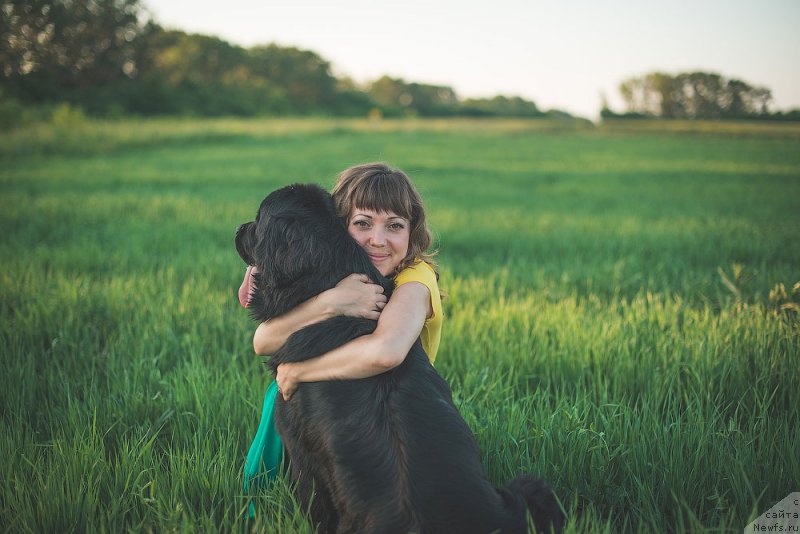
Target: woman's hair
(378,187)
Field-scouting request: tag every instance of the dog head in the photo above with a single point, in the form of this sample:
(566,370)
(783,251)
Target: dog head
(300,249)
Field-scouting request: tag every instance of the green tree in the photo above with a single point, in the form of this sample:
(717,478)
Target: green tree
(201,74)
(433,100)
(193,58)
(303,75)
(743,100)
(693,95)
(501,106)
(396,97)
(351,99)
(52,49)
(390,94)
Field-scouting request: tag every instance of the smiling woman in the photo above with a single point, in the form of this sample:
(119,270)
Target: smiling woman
(384,236)
(384,214)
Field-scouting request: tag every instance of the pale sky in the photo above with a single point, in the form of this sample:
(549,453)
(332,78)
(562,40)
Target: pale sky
(561,55)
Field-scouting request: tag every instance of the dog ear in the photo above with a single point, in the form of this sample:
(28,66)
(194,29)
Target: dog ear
(246,241)
(293,250)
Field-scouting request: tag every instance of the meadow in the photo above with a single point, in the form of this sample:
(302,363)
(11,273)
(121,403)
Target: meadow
(621,313)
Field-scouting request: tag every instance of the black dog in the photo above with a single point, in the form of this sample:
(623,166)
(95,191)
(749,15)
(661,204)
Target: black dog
(384,454)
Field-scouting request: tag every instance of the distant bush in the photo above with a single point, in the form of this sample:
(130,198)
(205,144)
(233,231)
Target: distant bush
(12,113)
(500,106)
(67,116)
(607,113)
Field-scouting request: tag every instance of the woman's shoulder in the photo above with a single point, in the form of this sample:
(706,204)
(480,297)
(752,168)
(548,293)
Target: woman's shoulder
(418,271)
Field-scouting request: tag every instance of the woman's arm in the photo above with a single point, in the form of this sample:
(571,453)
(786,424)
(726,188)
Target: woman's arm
(354,296)
(398,328)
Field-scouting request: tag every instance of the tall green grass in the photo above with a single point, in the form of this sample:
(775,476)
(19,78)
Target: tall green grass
(609,325)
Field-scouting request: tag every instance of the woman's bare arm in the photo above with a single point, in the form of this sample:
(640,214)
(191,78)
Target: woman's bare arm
(354,296)
(398,328)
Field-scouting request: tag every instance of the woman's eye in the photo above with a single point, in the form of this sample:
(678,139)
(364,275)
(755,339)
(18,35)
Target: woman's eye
(361,224)
(396,227)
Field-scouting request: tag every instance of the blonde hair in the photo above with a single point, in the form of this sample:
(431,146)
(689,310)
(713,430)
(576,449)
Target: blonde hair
(378,187)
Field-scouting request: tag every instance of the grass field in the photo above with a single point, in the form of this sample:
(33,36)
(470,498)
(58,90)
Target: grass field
(613,322)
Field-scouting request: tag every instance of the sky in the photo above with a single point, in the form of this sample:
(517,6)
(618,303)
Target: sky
(564,54)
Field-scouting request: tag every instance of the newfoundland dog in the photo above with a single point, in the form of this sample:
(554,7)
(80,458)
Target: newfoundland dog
(387,454)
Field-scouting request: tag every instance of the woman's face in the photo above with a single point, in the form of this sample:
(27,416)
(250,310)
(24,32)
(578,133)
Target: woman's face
(383,235)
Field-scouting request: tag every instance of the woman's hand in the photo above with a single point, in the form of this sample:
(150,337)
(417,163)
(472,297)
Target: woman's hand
(357,296)
(354,296)
(287,381)
(368,355)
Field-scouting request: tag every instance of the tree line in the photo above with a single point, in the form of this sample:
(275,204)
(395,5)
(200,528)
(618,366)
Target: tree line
(695,95)
(109,58)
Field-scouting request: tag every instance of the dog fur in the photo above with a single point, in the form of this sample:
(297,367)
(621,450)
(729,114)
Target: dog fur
(386,454)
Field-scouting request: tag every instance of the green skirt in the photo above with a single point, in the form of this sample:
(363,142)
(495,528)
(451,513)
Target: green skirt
(266,451)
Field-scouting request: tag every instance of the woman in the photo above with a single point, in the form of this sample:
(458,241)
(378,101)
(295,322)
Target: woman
(384,213)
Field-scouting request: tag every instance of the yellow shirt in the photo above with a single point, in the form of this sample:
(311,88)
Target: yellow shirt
(432,329)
